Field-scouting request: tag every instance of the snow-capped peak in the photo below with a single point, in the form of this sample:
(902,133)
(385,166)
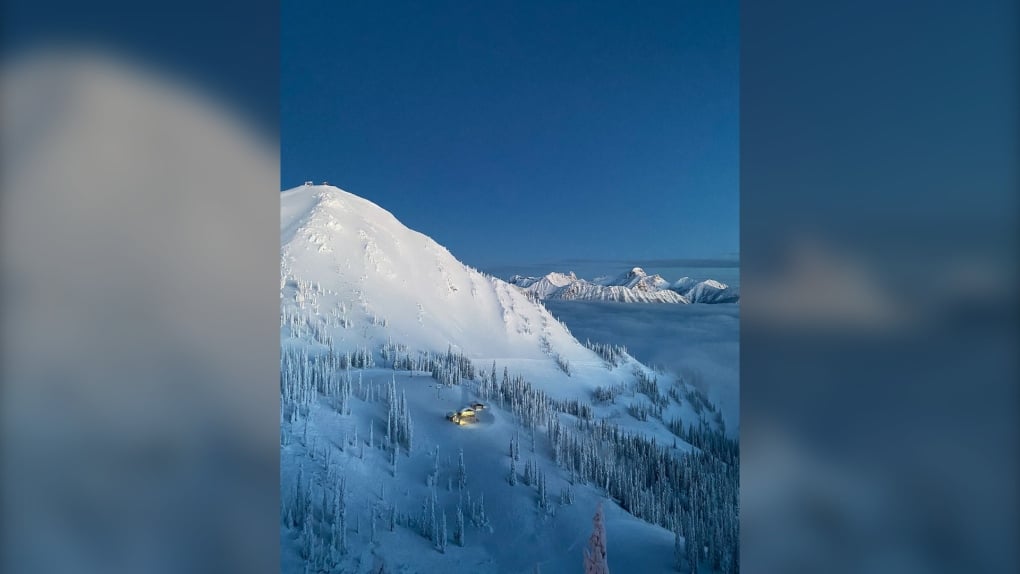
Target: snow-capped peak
(683,284)
(707,291)
(368,280)
(635,285)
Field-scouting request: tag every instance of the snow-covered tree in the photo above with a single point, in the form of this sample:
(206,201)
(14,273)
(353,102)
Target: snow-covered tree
(458,531)
(595,555)
(678,554)
(393,461)
(442,533)
(564,497)
(476,511)
(461,472)
(543,494)
(690,545)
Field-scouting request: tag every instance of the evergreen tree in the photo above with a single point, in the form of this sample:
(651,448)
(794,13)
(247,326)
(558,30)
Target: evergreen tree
(461,472)
(595,555)
(458,532)
(678,554)
(442,533)
(543,498)
(690,545)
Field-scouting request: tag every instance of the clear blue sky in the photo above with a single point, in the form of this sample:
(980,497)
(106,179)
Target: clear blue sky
(523,132)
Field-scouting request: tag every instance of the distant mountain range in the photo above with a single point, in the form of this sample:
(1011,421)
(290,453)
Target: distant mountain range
(634,286)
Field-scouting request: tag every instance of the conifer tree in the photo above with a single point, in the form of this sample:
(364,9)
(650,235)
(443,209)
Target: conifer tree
(442,533)
(595,555)
(678,554)
(458,533)
(461,472)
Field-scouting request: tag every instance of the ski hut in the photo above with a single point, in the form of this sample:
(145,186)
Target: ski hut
(462,417)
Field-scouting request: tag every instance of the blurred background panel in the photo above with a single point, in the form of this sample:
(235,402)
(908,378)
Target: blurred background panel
(879,398)
(138,261)
(139,174)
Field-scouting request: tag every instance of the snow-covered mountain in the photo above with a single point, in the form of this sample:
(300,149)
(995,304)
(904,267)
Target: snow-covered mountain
(570,287)
(634,286)
(369,280)
(711,291)
(638,279)
(383,332)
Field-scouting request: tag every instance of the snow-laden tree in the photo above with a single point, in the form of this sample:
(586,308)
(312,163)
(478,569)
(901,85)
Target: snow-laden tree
(458,528)
(566,495)
(461,472)
(543,492)
(595,555)
(442,533)
(691,544)
(476,511)
(678,551)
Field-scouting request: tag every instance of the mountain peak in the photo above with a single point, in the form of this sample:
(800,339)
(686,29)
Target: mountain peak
(561,278)
(368,281)
(634,286)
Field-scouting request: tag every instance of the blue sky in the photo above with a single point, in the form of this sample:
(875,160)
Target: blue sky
(523,132)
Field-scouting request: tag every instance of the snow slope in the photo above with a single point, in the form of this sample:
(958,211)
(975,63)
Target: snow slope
(357,283)
(634,286)
(369,279)
(698,342)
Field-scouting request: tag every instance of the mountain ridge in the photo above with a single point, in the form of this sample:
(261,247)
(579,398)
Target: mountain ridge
(634,286)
